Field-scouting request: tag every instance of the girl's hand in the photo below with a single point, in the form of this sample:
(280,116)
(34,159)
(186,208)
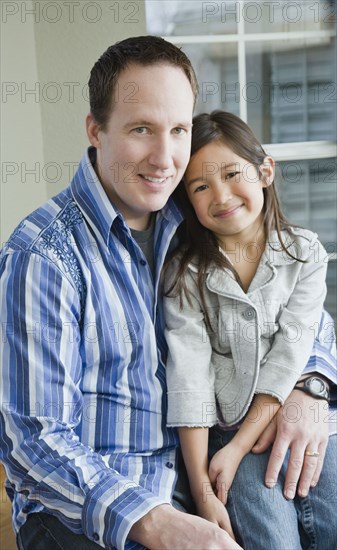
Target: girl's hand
(213,510)
(222,469)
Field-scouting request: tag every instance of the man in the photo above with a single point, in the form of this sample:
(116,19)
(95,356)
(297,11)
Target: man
(87,453)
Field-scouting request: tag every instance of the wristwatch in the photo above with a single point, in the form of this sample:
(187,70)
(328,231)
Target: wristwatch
(315,386)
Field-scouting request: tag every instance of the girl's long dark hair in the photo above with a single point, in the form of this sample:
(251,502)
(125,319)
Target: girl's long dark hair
(198,242)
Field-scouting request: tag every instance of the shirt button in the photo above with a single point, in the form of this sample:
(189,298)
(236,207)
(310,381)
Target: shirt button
(95,536)
(249,313)
(169,465)
(27,508)
(142,262)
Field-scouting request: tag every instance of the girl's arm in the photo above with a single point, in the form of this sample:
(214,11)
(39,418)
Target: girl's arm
(225,462)
(194,446)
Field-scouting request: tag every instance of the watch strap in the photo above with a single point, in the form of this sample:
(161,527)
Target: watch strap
(305,390)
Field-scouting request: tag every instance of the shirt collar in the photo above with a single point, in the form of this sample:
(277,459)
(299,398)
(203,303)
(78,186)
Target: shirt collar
(95,205)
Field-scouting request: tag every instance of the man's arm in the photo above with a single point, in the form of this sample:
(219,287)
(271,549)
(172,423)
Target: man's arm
(323,357)
(302,423)
(295,428)
(42,405)
(167,528)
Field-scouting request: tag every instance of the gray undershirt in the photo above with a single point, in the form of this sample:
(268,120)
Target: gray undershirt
(145,240)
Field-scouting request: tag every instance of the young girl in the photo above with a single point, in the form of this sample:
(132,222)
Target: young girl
(241,297)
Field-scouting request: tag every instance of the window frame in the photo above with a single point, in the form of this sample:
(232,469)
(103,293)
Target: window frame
(288,151)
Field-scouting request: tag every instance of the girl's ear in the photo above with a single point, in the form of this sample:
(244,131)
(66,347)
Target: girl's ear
(267,171)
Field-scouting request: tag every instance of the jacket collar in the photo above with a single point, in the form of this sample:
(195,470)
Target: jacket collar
(272,257)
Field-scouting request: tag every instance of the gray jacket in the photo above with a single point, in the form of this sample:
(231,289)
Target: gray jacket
(260,340)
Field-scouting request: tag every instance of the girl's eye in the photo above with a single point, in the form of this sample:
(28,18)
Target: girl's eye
(231,175)
(201,188)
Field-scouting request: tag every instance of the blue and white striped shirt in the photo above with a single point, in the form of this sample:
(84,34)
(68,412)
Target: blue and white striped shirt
(83,379)
(83,391)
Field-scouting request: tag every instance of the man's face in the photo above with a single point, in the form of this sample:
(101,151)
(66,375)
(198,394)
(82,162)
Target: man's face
(143,153)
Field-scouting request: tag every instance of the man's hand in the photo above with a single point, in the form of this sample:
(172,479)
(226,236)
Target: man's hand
(212,509)
(164,528)
(299,425)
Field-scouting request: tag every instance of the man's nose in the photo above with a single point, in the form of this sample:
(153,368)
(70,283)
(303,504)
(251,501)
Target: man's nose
(161,155)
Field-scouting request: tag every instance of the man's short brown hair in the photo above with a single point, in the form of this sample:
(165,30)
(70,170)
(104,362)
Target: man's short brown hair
(141,50)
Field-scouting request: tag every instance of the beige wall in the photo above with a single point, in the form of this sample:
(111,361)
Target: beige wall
(50,51)
(21,124)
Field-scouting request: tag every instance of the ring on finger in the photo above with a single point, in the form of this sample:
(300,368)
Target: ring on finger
(314,453)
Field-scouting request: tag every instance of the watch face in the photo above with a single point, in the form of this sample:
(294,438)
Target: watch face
(316,386)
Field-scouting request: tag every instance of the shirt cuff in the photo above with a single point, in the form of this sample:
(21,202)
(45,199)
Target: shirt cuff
(112,507)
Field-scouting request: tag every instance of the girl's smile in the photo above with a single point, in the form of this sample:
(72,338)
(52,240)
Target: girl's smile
(229,212)
(226,191)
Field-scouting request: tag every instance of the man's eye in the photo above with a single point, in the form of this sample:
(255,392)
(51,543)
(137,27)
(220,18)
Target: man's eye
(140,130)
(231,175)
(179,131)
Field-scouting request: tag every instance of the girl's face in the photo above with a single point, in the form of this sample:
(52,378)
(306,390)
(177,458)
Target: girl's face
(226,191)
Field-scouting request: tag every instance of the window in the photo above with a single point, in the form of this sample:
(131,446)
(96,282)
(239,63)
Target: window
(273,63)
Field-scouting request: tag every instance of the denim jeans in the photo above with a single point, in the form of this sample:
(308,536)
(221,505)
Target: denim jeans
(262,519)
(45,532)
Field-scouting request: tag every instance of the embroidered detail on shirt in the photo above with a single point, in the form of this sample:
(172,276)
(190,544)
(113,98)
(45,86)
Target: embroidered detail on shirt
(57,239)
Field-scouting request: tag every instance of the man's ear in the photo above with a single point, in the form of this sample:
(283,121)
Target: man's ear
(267,171)
(93,131)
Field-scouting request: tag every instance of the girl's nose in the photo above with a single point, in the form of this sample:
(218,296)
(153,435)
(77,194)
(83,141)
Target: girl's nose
(222,193)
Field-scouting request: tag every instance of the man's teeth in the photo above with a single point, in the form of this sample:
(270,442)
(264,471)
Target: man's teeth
(154,180)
